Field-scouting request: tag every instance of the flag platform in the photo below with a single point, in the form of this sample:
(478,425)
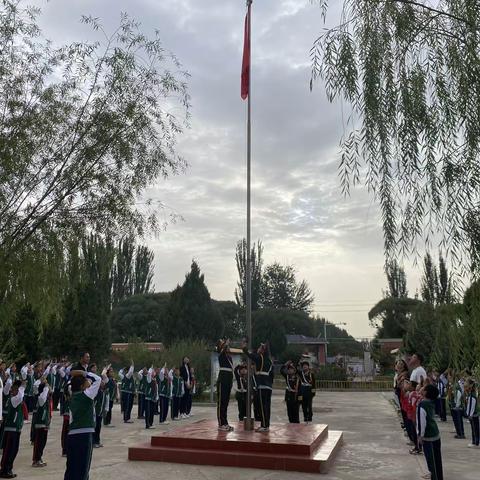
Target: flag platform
(294,447)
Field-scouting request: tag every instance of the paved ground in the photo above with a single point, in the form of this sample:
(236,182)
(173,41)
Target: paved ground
(374,447)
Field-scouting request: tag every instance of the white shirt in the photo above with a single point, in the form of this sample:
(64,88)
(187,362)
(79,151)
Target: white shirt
(418,374)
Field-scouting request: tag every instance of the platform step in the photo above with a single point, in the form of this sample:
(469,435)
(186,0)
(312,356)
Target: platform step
(282,440)
(319,462)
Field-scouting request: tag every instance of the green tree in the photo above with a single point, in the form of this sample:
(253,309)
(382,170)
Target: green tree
(233,319)
(409,71)
(267,326)
(143,270)
(280,289)
(191,314)
(85,128)
(142,316)
(396,280)
(256,261)
(429,283)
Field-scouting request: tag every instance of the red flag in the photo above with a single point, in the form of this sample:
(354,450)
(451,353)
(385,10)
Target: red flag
(246,57)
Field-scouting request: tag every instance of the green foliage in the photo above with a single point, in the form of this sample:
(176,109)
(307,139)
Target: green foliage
(291,352)
(142,316)
(233,318)
(280,289)
(191,314)
(85,128)
(410,72)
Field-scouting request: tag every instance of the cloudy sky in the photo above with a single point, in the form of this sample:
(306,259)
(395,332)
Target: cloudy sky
(335,243)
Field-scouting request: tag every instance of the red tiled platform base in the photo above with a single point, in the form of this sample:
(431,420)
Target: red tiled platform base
(297,447)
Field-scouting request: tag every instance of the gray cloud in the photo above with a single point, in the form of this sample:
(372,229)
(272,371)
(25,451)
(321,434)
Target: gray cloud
(298,210)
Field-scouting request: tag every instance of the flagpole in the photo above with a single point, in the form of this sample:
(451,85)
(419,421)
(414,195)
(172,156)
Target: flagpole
(248,424)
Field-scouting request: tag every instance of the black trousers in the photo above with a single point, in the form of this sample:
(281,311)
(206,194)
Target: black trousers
(242,404)
(11,442)
(411,429)
(141,405)
(41,435)
(149,412)
(65,428)
(107,420)
(175,407)
(30,403)
(185,402)
(127,405)
(256,406)
(265,399)
(307,399)
(98,429)
(79,456)
(293,407)
(475,424)
(56,399)
(163,407)
(433,456)
(224,388)
(442,409)
(458,422)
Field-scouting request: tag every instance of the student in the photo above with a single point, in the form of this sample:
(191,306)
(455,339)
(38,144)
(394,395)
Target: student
(142,380)
(413,399)
(13,427)
(292,387)
(150,393)
(264,378)
(127,392)
(224,384)
(164,394)
(193,391)
(85,387)
(307,391)
(472,411)
(240,372)
(187,382)
(177,392)
(99,406)
(112,395)
(458,410)
(67,396)
(428,433)
(418,375)
(441,402)
(26,373)
(41,424)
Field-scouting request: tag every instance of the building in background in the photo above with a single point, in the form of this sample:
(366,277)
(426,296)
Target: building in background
(314,347)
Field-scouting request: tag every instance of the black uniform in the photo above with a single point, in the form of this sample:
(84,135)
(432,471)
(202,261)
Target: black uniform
(264,380)
(291,395)
(224,385)
(241,394)
(307,392)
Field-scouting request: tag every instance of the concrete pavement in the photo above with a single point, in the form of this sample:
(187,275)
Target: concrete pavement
(374,447)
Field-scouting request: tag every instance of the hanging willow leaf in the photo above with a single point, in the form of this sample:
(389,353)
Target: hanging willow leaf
(410,70)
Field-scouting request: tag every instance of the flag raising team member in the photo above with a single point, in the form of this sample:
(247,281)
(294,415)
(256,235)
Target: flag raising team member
(264,378)
(224,384)
(307,391)
(292,381)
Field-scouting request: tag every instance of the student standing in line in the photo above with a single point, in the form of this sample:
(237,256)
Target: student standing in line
(127,392)
(112,395)
(150,392)
(164,394)
(177,392)
(472,411)
(85,387)
(41,424)
(187,382)
(13,428)
(142,380)
(428,433)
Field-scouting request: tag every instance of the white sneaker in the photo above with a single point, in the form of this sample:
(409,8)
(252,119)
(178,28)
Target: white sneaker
(176,419)
(472,445)
(224,428)
(166,422)
(191,415)
(262,429)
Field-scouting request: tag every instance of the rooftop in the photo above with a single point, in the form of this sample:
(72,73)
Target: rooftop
(303,340)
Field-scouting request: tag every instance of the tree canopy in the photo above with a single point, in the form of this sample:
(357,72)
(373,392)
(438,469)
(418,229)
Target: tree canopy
(409,71)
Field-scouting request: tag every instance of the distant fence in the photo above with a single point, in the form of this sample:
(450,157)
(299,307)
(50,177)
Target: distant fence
(362,386)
